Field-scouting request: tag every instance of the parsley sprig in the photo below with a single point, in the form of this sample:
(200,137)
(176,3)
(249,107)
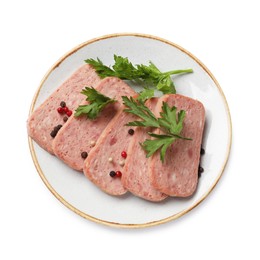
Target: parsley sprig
(139,109)
(170,122)
(150,75)
(96,103)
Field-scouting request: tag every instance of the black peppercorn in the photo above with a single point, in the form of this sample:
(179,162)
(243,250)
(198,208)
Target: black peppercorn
(53,133)
(131,131)
(62,104)
(65,119)
(84,155)
(112,173)
(202,151)
(55,130)
(200,171)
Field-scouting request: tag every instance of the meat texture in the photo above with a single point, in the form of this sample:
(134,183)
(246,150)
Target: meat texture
(80,134)
(178,174)
(106,155)
(43,120)
(136,177)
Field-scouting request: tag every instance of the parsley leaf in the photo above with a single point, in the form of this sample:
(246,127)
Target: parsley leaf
(97,102)
(149,75)
(170,122)
(124,69)
(161,142)
(140,110)
(145,94)
(102,70)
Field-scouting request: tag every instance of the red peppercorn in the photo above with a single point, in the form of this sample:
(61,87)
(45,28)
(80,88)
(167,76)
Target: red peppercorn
(60,110)
(69,113)
(124,154)
(118,174)
(65,109)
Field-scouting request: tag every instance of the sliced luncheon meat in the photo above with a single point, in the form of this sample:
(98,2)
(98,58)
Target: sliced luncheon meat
(136,177)
(45,121)
(178,174)
(105,162)
(75,140)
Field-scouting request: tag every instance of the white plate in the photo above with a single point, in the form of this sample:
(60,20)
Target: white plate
(77,193)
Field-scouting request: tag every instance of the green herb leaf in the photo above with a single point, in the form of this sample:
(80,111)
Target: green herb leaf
(140,110)
(145,94)
(102,70)
(124,69)
(171,120)
(171,123)
(161,142)
(97,102)
(150,75)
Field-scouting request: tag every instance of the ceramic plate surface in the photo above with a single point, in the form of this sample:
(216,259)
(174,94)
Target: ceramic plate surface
(76,192)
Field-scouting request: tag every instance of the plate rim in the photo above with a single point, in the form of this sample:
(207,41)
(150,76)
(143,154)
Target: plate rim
(117,224)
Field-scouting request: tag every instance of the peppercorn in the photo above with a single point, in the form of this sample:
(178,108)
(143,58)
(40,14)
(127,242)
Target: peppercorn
(124,154)
(202,151)
(121,163)
(53,133)
(62,104)
(55,130)
(112,173)
(65,119)
(131,131)
(65,109)
(200,171)
(69,113)
(92,143)
(118,174)
(60,110)
(84,155)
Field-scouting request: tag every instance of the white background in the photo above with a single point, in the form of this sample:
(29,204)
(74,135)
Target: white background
(224,35)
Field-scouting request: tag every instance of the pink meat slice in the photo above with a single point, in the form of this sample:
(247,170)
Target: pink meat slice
(113,141)
(43,120)
(178,174)
(136,177)
(80,134)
